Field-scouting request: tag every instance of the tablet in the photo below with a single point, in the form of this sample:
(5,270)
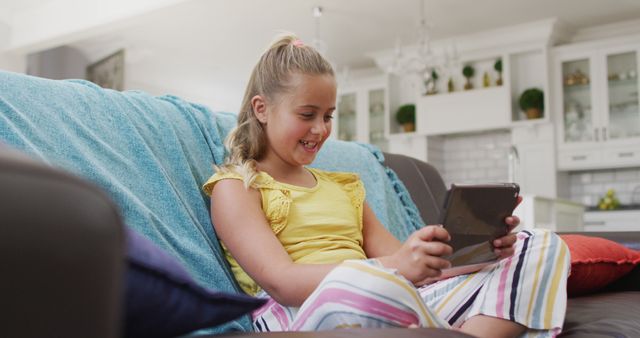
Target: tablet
(474,216)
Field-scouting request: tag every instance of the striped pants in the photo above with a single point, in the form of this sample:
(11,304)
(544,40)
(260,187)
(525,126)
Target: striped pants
(528,288)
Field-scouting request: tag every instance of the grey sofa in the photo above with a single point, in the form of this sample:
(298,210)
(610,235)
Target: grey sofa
(49,210)
(61,240)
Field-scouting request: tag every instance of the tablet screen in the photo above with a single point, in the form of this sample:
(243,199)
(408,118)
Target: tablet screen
(474,216)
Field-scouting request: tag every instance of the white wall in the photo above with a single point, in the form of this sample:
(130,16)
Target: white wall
(156,75)
(9,61)
(13,63)
(217,95)
(5,34)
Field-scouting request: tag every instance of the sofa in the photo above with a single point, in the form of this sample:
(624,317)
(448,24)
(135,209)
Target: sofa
(81,167)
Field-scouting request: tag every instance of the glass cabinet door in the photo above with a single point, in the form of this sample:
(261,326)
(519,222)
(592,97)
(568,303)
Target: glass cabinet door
(577,101)
(622,89)
(376,117)
(347,117)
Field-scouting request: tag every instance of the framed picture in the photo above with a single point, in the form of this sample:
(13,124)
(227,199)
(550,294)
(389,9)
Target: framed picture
(108,72)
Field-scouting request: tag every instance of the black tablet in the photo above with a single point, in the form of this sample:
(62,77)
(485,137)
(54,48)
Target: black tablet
(474,215)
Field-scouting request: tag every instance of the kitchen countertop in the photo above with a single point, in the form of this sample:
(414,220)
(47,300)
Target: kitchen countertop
(621,207)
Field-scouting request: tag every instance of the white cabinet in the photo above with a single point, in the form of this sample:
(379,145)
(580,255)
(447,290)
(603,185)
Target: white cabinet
(612,220)
(549,213)
(532,159)
(596,87)
(361,113)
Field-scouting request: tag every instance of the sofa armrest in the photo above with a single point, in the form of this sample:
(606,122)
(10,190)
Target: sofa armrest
(424,183)
(61,252)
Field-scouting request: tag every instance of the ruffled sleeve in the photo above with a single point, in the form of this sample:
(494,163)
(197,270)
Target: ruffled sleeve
(276,200)
(353,186)
(208,186)
(276,204)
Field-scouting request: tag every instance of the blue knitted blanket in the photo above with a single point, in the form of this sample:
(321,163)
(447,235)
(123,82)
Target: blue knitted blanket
(152,155)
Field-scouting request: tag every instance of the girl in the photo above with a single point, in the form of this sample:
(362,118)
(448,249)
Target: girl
(323,258)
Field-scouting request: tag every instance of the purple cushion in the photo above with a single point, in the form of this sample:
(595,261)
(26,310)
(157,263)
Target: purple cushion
(162,300)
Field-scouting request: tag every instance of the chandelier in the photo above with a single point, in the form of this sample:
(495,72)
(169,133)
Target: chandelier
(317,42)
(342,75)
(422,61)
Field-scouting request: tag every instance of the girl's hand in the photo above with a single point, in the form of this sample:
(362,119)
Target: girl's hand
(419,257)
(503,246)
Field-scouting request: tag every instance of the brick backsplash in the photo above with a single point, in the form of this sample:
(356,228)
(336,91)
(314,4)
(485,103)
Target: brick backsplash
(483,157)
(587,187)
(435,150)
(471,158)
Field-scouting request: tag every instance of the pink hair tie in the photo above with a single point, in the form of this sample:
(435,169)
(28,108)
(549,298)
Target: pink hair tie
(298,43)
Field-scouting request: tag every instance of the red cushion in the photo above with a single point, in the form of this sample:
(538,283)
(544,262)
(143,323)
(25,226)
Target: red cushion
(596,262)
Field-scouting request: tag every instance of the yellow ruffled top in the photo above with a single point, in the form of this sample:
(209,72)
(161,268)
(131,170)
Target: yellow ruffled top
(317,225)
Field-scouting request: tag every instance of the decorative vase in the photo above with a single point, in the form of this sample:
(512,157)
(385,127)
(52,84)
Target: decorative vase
(430,87)
(468,85)
(486,81)
(409,127)
(450,86)
(499,80)
(430,83)
(533,113)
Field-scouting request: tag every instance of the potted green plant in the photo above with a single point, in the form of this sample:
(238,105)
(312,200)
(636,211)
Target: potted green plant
(468,72)
(532,103)
(498,67)
(406,116)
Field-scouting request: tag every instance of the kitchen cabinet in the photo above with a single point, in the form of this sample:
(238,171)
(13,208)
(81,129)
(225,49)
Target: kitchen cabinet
(612,220)
(532,159)
(361,111)
(537,212)
(596,87)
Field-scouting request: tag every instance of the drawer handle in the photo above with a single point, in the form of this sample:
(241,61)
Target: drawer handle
(595,223)
(627,154)
(579,158)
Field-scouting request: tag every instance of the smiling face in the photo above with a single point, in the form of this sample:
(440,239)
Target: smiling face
(298,121)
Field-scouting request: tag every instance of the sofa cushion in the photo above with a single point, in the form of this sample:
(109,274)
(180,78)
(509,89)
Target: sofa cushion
(596,262)
(162,300)
(603,315)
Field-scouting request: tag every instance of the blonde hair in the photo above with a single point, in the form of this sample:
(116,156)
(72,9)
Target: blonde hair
(247,141)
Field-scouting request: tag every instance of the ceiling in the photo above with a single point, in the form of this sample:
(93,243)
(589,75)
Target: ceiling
(239,29)
(199,40)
